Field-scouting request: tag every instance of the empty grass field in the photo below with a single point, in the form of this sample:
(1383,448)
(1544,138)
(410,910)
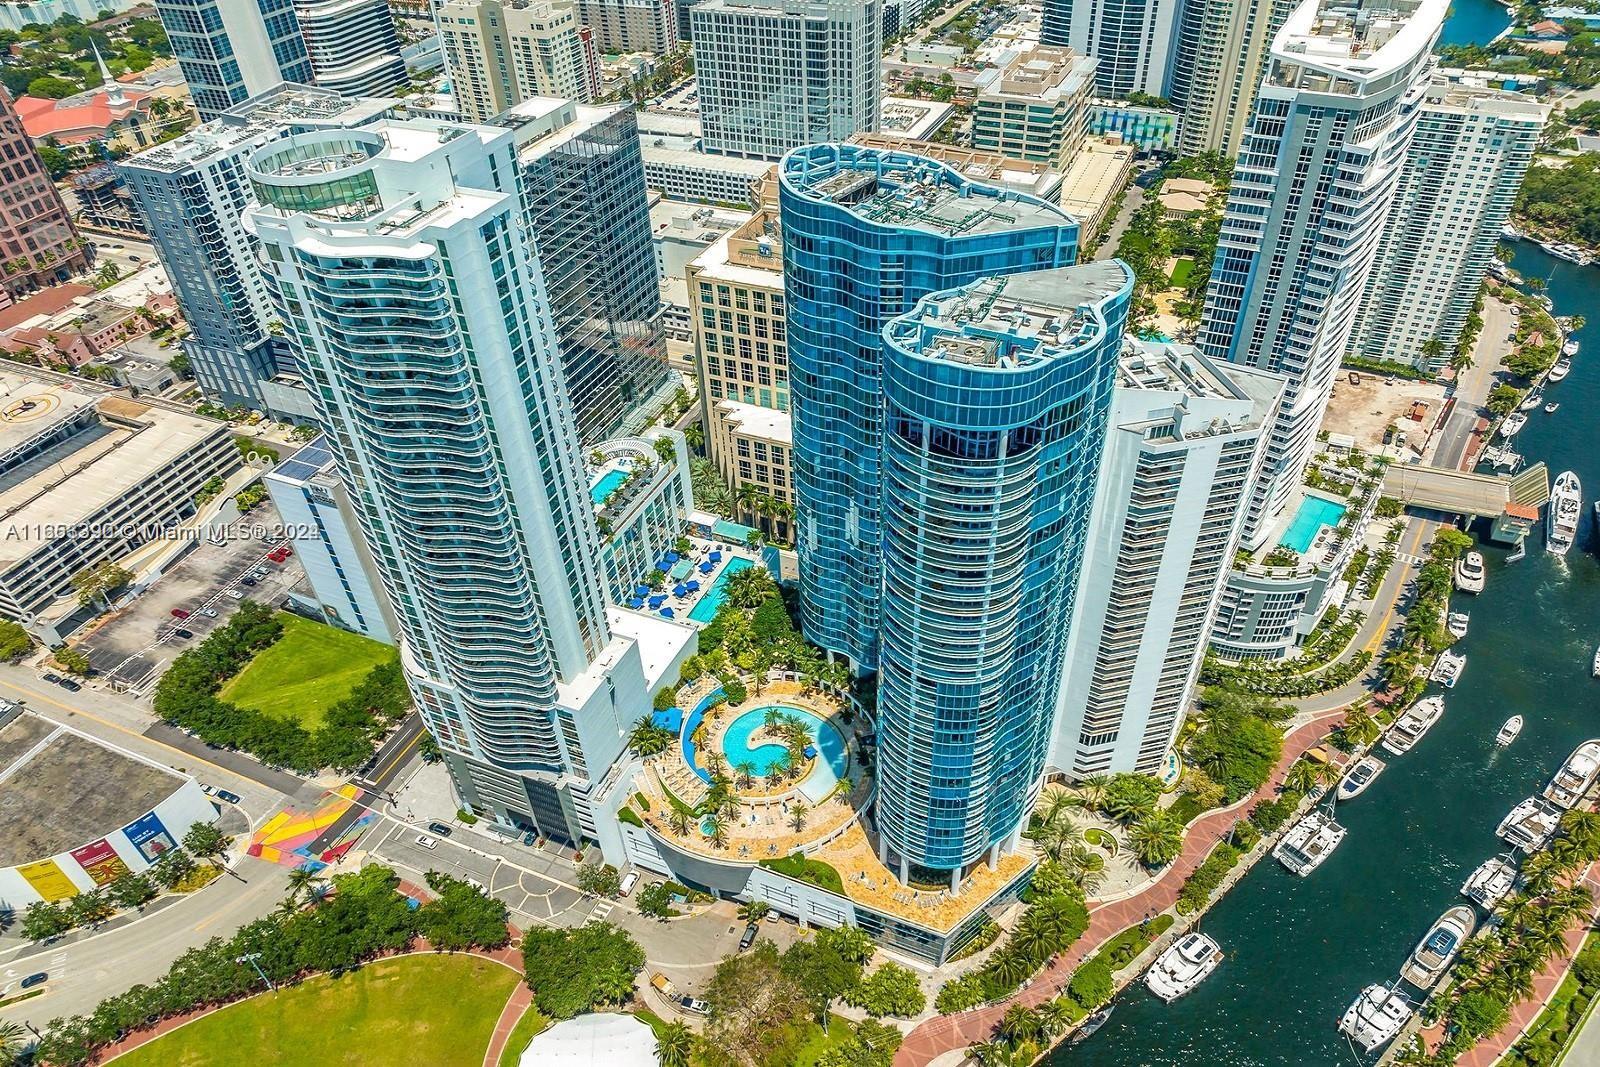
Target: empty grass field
(311,668)
(1181,271)
(434,1010)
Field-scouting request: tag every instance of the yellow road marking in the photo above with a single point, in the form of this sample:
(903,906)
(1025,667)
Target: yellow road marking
(398,757)
(1394,598)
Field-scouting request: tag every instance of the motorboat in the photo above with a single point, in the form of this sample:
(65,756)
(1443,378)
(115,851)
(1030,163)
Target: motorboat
(1438,947)
(1576,776)
(1470,573)
(1509,731)
(1530,824)
(1509,232)
(1534,398)
(1409,728)
(1569,348)
(1569,252)
(1376,1017)
(1562,368)
(1183,966)
(1447,668)
(1455,624)
(1566,511)
(1597,663)
(1309,843)
(1363,774)
(1489,884)
(1513,425)
(1551,409)
(1092,1024)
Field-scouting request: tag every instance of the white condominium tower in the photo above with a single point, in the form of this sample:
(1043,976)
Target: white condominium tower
(777,74)
(353,45)
(1184,442)
(1217,57)
(1309,202)
(502,52)
(1130,39)
(1471,149)
(408,285)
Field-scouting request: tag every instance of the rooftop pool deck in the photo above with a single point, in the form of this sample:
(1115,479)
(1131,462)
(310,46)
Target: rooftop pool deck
(1313,514)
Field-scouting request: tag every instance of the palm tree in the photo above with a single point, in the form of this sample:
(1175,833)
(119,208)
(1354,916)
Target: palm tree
(1328,774)
(648,739)
(12,1039)
(1010,968)
(990,1053)
(304,880)
(746,772)
(1056,1015)
(1302,778)
(1054,805)
(797,816)
(679,819)
(719,830)
(750,588)
(674,1042)
(694,435)
(754,911)
(747,496)
(1093,790)
(1156,839)
(1362,728)
(1018,1024)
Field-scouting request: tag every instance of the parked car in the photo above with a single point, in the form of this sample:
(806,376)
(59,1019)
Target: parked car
(247,580)
(182,634)
(69,685)
(749,938)
(440,828)
(628,882)
(230,797)
(37,978)
(209,613)
(427,842)
(52,677)
(699,1007)
(235,594)
(529,838)
(179,613)
(208,790)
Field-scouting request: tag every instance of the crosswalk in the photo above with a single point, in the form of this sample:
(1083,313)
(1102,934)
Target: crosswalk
(601,910)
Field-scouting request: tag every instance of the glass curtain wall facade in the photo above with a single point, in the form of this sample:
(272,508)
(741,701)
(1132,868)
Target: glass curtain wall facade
(868,232)
(996,398)
(231,50)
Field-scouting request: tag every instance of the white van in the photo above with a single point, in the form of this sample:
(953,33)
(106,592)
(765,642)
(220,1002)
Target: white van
(628,882)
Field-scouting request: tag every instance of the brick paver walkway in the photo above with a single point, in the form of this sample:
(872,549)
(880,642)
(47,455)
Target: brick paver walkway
(521,998)
(947,1033)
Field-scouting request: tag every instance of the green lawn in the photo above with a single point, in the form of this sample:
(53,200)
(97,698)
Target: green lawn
(434,1010)
(311,668)
(1181,271)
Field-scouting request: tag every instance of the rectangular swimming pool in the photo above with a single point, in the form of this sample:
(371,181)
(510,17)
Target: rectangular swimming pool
(706,609)
(607,485)
(1313,514)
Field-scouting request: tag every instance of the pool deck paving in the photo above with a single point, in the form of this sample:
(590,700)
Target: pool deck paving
(940,1036)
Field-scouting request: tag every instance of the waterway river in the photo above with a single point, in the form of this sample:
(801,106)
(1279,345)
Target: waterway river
(1474,22)
(1300,949)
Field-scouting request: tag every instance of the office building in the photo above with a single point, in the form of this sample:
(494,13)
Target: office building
(353,46)
(995,403)
(406,279)
(193,193)
(320,518)
(1094,179)
(777,74)
(232,50)
(1308,206)
(1460,181)
(591,218)
(86,480)
(1217,66)
(1185,440)
(1131,40)
(502,52)
(631,25)
(37,239)
(736,310)
(1036,107)
(678,167)
(866,233)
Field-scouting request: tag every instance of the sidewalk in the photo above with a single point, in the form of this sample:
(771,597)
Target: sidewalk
(948,1033)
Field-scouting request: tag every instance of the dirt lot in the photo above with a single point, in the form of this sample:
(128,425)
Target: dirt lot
(123,643)
(1364,411)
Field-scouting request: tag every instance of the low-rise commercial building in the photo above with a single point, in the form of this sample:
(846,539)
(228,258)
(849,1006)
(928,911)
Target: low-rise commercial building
(1098,173)
(1149,129)
(1036,107)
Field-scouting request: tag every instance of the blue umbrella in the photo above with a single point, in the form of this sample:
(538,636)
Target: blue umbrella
(672,557)
(641,590)
(636,602)
(680,590)
(693,585)
(666,613)
(715,557)
(657,601)
(706,568)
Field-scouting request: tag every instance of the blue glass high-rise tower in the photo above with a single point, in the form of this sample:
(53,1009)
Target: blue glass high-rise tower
(868,232)
(996,398)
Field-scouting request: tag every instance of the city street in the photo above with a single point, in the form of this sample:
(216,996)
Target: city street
(1474,386)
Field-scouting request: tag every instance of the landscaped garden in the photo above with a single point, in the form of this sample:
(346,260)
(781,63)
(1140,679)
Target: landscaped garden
(306,672)
(233,691)
(437,1010)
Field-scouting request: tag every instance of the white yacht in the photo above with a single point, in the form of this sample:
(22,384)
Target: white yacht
(1376,1017)
(1596,669)
(1534,398)
(1409,728)
(1566,511)
(1576,776)
(1551,408)
(1489,884)
(1530,824)
(1455,624)
(1309,843)
(1438,947)
(1509,731)
(1470,573)
(1363,774)
(1569,348)
(1513,425)
(1447,668)
(1562,368)
(1183,966)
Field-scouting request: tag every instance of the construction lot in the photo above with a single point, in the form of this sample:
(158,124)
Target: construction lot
(1365,408)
